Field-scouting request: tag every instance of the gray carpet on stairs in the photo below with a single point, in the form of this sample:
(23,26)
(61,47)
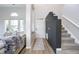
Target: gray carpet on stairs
(68,45)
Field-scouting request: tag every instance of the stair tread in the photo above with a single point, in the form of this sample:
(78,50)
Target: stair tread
(65,34)
(63,30)
(70,48)
(67,38)
(68,45)
(67,41)
(70,51)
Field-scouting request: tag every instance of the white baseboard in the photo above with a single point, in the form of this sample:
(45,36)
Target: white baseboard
(28,47)
(58,50)
(46,36)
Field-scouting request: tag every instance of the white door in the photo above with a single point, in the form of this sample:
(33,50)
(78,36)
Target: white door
(40,28)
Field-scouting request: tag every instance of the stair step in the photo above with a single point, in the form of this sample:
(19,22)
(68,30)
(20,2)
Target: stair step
(68,44)
(70,48)
(65,35)
(67,41)
(70,52)
(64,31)
(62,28)
(67,38)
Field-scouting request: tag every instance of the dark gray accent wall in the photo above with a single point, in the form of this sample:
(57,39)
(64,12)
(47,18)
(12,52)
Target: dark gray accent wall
(53,28)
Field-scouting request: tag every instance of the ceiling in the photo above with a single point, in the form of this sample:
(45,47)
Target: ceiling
(12,5)
(7,9)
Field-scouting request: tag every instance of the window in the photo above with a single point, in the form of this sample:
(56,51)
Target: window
(14,25)
(14,14)
(6,25)
(21,25)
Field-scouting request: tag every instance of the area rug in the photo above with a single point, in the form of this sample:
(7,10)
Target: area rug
(39,45)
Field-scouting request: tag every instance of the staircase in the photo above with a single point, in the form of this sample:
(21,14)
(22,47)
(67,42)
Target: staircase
(68,45)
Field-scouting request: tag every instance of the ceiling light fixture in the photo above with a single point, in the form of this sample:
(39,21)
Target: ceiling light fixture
(14,14)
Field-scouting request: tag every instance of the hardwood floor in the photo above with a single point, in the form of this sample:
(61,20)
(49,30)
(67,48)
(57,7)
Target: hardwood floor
(68,46)
(47,49)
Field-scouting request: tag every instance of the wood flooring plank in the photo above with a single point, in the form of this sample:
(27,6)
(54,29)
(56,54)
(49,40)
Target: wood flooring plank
(48,49)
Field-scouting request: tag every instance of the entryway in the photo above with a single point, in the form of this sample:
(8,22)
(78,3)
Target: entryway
(40,28)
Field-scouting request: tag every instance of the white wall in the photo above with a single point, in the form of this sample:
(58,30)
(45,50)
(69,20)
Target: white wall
(40,28)
(2,27)
(72,12)
(33,18)
(71,20)
(41,11)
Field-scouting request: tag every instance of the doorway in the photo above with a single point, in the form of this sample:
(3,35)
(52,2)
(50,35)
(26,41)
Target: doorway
(40,28)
